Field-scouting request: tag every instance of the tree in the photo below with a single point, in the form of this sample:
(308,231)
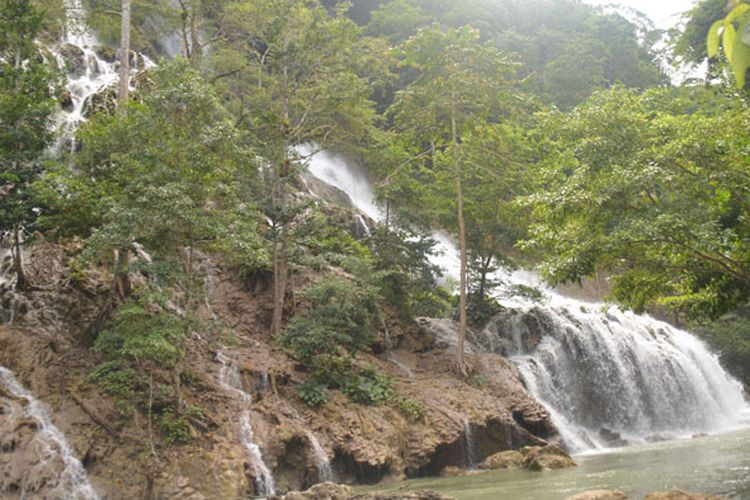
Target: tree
(27,106)
(287,67)
(650,189)
(124,86)
(461,84)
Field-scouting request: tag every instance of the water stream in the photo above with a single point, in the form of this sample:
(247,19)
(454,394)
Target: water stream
(51,448)
(608,377)
(231,381)
(322,462)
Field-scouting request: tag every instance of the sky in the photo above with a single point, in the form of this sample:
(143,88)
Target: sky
(661,11)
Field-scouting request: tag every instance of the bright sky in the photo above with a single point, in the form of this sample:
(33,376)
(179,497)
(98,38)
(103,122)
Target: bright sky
(663,12)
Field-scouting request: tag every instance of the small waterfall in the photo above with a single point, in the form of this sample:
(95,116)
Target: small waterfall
(231,381)
(72,481)
(322,462)
(88,73)
(469,445)
(607,377)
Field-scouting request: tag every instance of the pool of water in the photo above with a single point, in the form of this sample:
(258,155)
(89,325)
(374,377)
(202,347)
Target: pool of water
(717,465)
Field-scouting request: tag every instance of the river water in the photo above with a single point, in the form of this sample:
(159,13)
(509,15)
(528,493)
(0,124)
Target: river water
(718,465)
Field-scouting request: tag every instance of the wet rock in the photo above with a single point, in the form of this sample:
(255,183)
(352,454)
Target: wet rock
(323,491)
(452,471)
(66,101)
(510,459)
(599,495)
(414,495)
(550,457)
(74,60)
(677,494)
(612,438)
(107,54)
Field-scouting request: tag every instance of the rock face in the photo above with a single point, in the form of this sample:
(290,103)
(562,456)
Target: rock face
(599,495)
(48,349)
(325,491)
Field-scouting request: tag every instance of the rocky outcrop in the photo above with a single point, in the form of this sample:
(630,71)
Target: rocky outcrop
(599,495)
(48,348)
(536,458)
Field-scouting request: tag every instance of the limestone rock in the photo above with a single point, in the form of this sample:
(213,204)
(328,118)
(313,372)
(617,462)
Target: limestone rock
(599,495)
(677,494)
(550,457)
(323,491)
(414,495)
(510,459)
(452,471)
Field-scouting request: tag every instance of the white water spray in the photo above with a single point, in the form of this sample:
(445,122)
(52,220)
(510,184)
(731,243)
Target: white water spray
(52,446)
(322,462)
(231,381)
(603,374)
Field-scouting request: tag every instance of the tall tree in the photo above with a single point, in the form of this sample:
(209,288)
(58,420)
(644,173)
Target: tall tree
(27,105)
(461,83)
(124,87)
(288,68)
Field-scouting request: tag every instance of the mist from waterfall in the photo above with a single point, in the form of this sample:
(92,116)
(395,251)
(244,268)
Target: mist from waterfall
(607,377)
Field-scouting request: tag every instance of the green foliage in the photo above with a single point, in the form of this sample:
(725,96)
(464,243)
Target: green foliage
(648,188)
(114,379)
(342,319)
(28,89)
(368,388)
(176,429)
(313,393)
(734,31)
(730,337)
(409,408)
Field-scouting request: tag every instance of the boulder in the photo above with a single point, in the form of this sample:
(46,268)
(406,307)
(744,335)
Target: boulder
(452,471)
(599,495)
(550,457)
(677,494)
(74,60)
(510,459)
(323,491)
(414,495)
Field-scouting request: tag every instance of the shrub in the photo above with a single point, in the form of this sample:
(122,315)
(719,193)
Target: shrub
(114,379)
(409,408)
(369,388)
(176,429)
(313,393)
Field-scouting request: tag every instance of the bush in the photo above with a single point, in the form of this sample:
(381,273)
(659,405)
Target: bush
(176,429)
(369,388)
(313,393)
(114,379)
(409,408)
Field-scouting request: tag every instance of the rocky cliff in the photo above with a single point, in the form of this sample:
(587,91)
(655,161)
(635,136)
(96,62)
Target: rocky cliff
(48,348)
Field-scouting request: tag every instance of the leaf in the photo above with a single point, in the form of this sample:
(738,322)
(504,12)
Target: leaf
(740,59)
(713,38)
(745,33)
(736,13)
(728,38)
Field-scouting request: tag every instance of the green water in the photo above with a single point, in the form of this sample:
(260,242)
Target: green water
(717,465)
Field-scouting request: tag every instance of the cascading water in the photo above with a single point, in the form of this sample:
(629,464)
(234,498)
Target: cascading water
(469,445)
(607,377)
(322,462)
(88,73)
(51,447)
(231,381)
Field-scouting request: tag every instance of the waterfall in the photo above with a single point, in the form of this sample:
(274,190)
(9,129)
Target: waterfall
(469,446)
(607,377)
(72,482)
(231,381)
(88,73)
(322,462)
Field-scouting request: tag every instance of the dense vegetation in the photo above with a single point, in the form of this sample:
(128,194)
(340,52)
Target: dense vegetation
(533,132)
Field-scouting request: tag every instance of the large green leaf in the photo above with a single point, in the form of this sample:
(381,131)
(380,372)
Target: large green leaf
(737,12)
(713,38)
(729,35)
(740,59)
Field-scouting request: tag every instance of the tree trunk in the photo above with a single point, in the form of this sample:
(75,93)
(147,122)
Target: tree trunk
(463,320)
(124,89)
(21,282)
